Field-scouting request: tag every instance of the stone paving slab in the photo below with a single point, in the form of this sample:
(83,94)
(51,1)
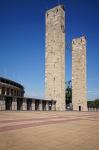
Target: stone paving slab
(49,130)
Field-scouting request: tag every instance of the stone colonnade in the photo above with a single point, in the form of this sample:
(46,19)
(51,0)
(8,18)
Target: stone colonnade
(93,109)
(24,104)
(8,91)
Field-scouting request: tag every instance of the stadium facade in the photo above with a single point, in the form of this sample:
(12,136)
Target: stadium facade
(12,98)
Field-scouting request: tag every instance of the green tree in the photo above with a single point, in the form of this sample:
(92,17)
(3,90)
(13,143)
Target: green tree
(90,104)
(94,103)
(68,92)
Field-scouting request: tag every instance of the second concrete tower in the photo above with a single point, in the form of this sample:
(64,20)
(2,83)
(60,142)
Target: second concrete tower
(55,56)
(79,95)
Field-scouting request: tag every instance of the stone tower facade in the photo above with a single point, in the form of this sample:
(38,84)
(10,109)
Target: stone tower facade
(55,56)
(79,96)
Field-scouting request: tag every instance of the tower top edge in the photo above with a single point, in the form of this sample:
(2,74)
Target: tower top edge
(82,38)
(56,7)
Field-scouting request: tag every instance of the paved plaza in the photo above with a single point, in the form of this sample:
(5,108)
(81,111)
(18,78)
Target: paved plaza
(49,130)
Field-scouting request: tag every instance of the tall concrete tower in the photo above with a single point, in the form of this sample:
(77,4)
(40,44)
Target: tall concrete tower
(55,56)
(79,97)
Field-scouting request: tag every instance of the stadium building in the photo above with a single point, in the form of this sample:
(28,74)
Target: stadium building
(12,98)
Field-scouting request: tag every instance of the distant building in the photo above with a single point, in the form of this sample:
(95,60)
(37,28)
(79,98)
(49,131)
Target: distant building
(12,98)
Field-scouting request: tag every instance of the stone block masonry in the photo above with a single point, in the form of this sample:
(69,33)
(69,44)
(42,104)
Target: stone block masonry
(79,96)
(55,56)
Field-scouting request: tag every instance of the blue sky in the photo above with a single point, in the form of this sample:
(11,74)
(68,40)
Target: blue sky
(22,41)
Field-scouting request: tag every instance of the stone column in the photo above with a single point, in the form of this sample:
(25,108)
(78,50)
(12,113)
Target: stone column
(53,106)
(24,105)
(47,106)
(5,91)
(0,90)
(40,105)
(2,103)
(33,104)
(95,109)
(14,103)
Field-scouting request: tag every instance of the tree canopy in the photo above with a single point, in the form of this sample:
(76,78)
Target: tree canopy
(68,92)
(94,103)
